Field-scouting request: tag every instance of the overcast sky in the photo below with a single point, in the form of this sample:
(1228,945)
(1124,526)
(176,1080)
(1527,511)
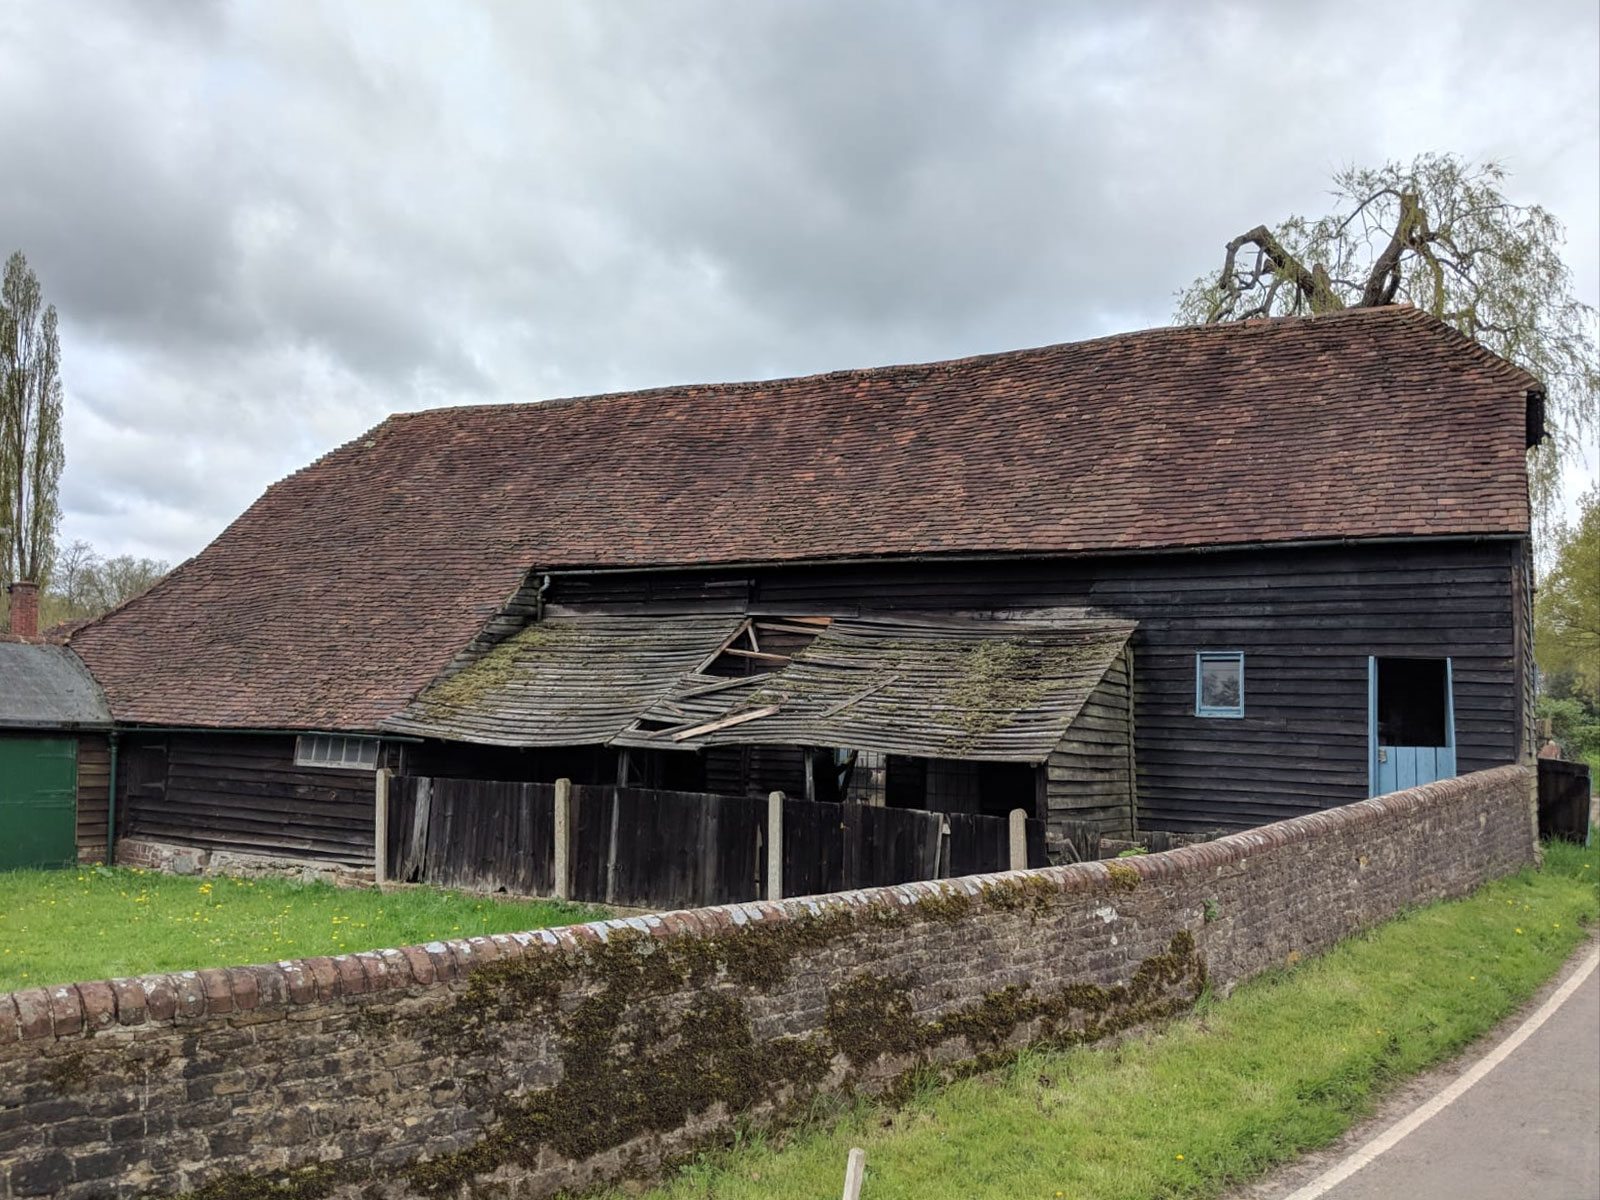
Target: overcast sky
(268,225)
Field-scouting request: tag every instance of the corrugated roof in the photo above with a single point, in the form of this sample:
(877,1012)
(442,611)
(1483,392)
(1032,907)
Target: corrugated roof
(566,681)
(349,586)
(988,690)
(48,687)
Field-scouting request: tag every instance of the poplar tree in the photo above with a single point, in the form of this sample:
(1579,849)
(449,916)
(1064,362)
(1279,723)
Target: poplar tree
(31,455)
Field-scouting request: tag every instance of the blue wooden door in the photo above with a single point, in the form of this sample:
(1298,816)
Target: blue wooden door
(1393,764)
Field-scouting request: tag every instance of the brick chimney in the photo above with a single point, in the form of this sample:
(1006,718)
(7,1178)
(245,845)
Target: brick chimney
(24,609)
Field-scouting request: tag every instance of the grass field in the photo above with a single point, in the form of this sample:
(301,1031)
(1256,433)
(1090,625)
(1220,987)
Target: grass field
(1287,1063)
(98,923)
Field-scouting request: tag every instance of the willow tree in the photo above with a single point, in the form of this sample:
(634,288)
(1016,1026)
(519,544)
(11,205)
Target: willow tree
(1566,636)
(30,425)
(1438,234)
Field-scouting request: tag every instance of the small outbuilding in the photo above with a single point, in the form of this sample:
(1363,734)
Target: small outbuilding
(55,758)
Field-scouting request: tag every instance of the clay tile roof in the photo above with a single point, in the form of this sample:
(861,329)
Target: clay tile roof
(347,587)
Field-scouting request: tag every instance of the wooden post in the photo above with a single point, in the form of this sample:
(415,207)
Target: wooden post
(1019,839)
(941,869)
(563,840)
(380,826)
(775,846)
(855,1169)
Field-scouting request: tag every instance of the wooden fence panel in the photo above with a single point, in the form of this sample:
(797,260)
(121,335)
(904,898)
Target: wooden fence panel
(402,863)
(885,846)
(472,834)
(978,844)
(733,843)
(641,848)
(1564,790)
(813,847)
(592,825)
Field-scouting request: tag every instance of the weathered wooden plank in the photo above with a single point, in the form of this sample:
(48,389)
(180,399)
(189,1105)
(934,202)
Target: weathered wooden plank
(740,718)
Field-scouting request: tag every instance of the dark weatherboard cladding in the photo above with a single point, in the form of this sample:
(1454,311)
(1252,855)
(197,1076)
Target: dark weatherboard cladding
(1306,620)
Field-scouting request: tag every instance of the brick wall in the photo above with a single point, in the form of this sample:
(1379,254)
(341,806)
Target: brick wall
(560,1058)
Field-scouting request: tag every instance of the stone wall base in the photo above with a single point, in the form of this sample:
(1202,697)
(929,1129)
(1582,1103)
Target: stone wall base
(171,858)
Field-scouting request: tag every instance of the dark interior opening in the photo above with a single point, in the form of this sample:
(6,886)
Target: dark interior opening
(1412,704)
(680,772)
(956,785)
(906,781)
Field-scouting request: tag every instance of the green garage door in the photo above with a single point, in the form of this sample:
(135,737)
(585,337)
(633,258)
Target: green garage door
(38,802)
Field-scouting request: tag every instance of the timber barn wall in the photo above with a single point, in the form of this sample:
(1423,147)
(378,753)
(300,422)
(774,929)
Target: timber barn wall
(243,793)
(1305,618)
(94,794)
(1089,776)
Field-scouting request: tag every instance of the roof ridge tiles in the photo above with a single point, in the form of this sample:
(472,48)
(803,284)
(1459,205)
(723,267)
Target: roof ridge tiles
(1387,313)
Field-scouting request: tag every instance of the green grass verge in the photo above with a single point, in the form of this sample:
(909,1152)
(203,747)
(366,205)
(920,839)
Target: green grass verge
(100,923)
(1287,1063)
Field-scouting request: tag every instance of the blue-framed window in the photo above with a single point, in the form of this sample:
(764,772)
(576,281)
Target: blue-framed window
(1219,683)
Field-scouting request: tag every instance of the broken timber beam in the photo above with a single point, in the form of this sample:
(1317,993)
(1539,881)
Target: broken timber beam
(754,714)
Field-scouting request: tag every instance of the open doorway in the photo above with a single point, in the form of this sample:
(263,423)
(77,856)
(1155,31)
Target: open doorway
(1411,723)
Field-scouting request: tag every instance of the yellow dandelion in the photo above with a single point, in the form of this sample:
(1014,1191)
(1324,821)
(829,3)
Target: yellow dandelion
(1180,1158)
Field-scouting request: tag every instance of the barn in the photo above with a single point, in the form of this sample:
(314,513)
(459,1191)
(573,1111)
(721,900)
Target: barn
(1180,580)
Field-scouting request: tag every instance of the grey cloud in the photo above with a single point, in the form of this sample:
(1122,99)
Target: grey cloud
(267,225)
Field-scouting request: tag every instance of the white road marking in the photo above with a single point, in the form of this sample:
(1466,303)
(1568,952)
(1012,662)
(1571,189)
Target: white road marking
(1410,1123)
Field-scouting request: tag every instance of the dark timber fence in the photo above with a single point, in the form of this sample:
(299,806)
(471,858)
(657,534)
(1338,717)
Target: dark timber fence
(644,848)
(1563,799)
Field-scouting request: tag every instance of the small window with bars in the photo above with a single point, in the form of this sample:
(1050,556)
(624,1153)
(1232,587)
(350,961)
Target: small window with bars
(340,753)
(1219,683)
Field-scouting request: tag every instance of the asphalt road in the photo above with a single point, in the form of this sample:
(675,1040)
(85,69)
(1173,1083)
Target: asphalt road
(1528,1130)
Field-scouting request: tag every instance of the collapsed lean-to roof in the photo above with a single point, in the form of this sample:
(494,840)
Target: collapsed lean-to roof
(1001,691)
(351,584)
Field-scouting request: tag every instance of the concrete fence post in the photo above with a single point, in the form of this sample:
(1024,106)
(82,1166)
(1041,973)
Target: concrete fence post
(775,846)
(563,840)
(380,826)
(1019,839)
(855,1170)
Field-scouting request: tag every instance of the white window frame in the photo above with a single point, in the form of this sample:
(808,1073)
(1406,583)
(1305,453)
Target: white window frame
(1201,658)
(336,752)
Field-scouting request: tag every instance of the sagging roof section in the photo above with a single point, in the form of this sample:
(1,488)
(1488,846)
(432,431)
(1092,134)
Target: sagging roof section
(987,690)
(47,687)
(566,681)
